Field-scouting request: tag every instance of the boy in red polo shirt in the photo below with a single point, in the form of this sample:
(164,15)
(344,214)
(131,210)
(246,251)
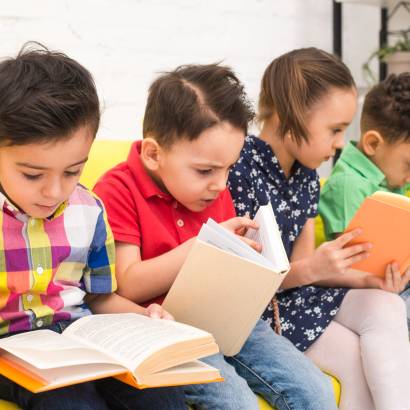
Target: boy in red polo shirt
(175,179)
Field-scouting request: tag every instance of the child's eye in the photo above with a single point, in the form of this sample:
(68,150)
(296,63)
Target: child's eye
(31,177)
(72,173)
(204,171)
(336,131)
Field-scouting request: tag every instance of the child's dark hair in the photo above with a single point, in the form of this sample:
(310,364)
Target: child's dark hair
(192,98)
(386,109)
(44,96)
(294,82)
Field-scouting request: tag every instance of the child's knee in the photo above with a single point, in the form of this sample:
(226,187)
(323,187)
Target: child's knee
(384,307)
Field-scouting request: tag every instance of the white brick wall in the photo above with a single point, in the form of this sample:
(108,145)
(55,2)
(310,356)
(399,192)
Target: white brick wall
(124,43)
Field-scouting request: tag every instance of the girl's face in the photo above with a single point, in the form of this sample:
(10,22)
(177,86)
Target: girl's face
(326,122)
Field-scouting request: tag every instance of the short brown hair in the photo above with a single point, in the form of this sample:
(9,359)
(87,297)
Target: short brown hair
(386,108)
(44,96)
(295,81)
(192,98)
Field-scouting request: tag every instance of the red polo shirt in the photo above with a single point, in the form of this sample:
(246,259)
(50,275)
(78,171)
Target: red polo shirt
(141,214)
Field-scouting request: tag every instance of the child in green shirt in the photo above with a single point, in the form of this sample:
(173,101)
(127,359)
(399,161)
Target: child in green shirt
(380,161)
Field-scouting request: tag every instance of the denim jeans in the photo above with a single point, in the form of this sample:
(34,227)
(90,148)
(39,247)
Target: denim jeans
(102,394)
(269,365)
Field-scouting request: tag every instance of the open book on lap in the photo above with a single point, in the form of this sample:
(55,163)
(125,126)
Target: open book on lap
(385,220)
(224,285)
(138,350)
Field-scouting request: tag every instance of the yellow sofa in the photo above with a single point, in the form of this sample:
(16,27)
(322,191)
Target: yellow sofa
(104,155)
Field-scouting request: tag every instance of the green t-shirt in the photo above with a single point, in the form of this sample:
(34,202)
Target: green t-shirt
(353,178)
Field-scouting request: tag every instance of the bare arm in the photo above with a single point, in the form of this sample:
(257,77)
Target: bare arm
(114,303)
(142,280)
(328,265)
(300,273)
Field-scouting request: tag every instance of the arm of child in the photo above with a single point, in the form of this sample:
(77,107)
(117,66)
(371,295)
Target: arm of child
(142,280)
(329,264)
(114,303)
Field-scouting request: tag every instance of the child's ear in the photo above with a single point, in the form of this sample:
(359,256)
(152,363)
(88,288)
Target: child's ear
(150,153)
(371,142)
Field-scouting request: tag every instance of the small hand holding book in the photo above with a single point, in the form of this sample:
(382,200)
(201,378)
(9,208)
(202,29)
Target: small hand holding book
(384,218)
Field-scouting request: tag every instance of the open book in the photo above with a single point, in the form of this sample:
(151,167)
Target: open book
(224,285)
(385,220)
(136,349)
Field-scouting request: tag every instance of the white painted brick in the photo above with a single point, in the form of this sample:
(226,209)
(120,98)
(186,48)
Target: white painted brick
(125,43)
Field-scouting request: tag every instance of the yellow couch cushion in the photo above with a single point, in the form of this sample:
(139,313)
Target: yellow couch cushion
(6,405)
(104,155)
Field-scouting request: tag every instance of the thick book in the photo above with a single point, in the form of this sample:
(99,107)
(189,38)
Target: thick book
(224,285)
(385,220)
(137,350)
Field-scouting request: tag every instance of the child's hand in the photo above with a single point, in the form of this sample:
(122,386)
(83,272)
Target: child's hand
(156,311)
(393,281)
(333,257)
(239,225)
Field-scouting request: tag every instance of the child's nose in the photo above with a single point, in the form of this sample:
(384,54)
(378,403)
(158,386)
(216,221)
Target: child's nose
(52,189)
(219,184)
(339,142)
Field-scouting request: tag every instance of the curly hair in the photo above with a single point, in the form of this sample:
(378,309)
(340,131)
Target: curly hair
(386,109)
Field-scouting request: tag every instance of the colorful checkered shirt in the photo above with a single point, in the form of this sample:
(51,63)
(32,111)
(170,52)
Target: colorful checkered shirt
(48,265)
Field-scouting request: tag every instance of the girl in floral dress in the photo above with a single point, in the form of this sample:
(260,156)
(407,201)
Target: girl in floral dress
(307,100)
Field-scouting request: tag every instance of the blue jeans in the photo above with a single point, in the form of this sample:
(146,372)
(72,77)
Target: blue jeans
(271,366)
(105,394)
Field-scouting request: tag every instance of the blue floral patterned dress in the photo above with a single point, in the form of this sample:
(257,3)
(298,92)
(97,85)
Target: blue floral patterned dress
(256,179)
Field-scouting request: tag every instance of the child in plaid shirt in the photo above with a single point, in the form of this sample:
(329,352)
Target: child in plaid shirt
(56,247)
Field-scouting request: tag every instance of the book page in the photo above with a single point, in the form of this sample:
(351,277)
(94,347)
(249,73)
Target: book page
(268,236)
(186,373)
(390,198)
(131,338)
(46,349)
(60,376)
(216,235)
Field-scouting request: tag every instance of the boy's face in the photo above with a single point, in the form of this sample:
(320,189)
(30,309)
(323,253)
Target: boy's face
(394,161)
(196,172)
(37,178)
(327,123)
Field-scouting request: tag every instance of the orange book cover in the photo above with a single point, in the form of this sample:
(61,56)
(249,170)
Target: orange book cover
(33,382)
(137,350)
(385,220)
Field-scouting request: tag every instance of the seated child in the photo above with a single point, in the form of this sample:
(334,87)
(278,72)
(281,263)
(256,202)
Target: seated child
(380,161)
(306,102)
(57,250)
(194,127)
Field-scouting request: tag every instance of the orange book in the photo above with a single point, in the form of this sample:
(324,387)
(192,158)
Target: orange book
(137,350)
(385,220)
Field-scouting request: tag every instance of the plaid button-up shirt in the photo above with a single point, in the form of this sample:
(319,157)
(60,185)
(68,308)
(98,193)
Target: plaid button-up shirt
(48,265)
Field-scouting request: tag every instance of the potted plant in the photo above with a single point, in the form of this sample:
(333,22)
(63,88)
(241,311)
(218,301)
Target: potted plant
(397,57)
